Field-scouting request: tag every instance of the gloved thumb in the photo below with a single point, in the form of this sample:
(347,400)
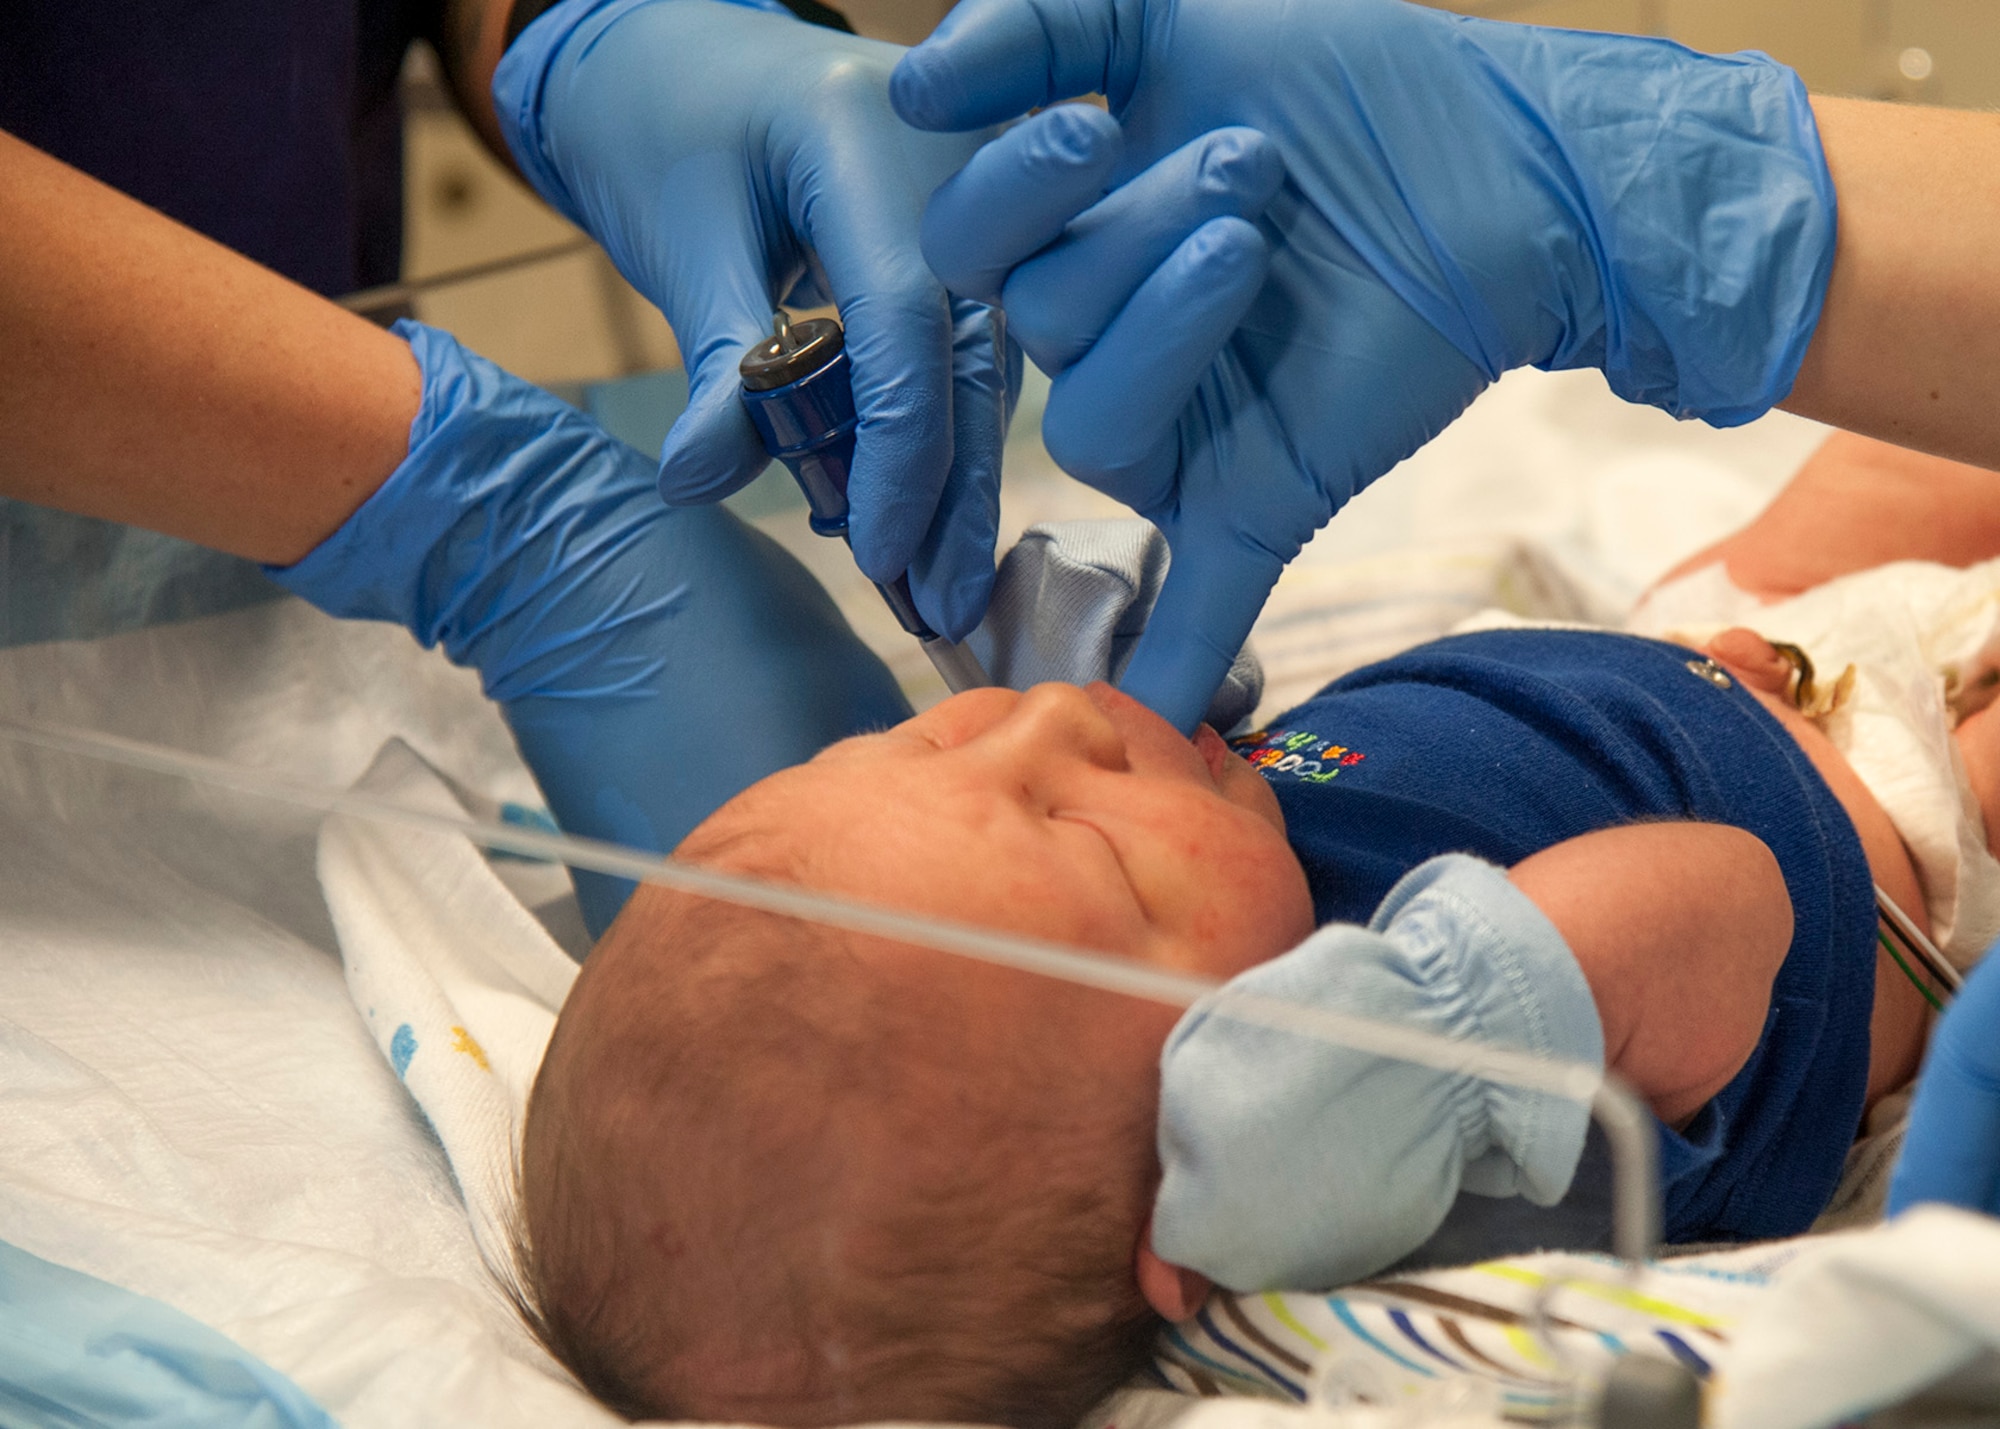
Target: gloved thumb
(713,449)
(991,60)
(1217,584)
(1951,1152)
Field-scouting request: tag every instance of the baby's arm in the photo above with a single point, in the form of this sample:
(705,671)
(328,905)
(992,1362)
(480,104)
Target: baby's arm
(1297,1161)
(1858,503)
(1680,929)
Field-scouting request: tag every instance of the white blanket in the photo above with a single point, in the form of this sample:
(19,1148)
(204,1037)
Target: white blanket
(458,983)
(191,1108)
(1866,1320)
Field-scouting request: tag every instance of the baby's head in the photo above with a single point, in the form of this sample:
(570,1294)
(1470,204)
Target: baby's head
(775,1172)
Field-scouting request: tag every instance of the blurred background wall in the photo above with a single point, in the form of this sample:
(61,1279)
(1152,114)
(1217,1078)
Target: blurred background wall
(575,320)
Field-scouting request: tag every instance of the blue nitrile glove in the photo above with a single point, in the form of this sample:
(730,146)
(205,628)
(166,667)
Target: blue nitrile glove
(1951,1152)
(652,661)
(728,156)
(1461,197)
(1293,1163)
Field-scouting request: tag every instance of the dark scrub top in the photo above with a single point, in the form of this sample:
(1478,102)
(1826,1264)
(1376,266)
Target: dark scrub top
(272,126)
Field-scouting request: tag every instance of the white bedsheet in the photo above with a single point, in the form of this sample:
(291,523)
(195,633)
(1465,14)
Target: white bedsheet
(1866,1319)
(192,1108)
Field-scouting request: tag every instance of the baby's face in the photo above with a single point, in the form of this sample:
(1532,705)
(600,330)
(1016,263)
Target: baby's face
(1075,815)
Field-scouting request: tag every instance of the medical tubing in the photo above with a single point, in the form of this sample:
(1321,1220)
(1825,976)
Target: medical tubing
(1626,1124)
(1916,944)
(362,300)
(1922,987)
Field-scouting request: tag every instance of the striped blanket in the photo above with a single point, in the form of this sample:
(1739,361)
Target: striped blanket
(1392,1340)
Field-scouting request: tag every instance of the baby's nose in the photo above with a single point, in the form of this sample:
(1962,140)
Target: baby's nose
(1055,721)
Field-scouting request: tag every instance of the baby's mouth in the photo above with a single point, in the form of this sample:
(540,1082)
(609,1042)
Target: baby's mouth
(1213,750)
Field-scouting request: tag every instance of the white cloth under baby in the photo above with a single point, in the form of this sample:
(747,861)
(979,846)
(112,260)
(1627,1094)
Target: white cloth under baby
(193,1110)
(1866,1320)
(1918,635)
(458,983)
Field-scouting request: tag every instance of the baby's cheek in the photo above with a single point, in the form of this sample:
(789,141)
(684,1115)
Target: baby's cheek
(1249,904)
(1244,787)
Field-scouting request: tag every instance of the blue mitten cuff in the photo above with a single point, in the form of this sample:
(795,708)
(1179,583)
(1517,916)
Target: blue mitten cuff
(1294,1163)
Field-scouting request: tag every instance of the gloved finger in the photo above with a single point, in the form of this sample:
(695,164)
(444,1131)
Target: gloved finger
(990,60)
(1110,414)
(1217,584)
(808,292)
(1013,198)
(1060,302)
(952,575)
(713,449)
(861,218)
(1951,1152)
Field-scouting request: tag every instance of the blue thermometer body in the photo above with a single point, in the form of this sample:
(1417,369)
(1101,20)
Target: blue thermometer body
(797,389)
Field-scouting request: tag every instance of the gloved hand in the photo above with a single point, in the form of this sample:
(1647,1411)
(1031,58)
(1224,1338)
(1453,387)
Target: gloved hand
(1460,197)
(1951,1152)
(652,662)
(1294,1163)
(729,155)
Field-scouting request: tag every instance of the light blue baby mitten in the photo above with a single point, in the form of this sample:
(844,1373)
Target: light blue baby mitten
(1294,1163)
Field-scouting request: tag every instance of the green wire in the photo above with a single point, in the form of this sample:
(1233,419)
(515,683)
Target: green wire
(1915,981)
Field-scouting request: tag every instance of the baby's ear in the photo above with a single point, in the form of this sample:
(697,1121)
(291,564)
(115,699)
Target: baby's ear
(1175,1293)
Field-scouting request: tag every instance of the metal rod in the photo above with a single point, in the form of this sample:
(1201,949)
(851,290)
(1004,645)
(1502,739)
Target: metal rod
(1635,1187)
(366,298)
(956,665)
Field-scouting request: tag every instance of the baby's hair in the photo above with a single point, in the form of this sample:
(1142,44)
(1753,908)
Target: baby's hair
(760,1182)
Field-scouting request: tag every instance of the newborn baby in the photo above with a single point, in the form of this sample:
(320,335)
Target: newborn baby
(780,1174)
(783,1174)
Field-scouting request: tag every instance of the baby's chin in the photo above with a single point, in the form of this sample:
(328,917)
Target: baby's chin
(1240,784)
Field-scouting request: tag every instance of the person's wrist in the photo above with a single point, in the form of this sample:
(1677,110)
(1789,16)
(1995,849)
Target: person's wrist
(1713,282)
(481,444)
(520,78)
(1629,204)
(523,13)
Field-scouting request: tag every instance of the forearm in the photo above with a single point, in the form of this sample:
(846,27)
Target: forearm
(1858,503)
(157,379)
(470,43)
(1908,345)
